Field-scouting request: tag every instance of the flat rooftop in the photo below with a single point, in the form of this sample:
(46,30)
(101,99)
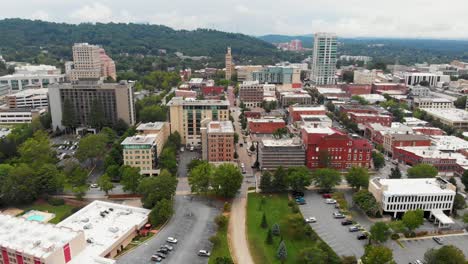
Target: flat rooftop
(330,91)
(369,115)
(220,127)
(315,118)
(319,130)
(151,126)
(451,114)
(428,186)
(191,101)
(449,143)
(102,233)
(308,108)
(432,99)
(139,140)
(30,92)
(285,142)
(266,120)
(33,238)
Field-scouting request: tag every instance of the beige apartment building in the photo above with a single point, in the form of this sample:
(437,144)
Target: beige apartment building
(218,141)
(160,129)
(90,62)
(229,64)
(186,116)
(140,152)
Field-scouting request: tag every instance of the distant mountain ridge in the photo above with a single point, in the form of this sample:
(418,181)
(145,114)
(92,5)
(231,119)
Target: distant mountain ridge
(307,40)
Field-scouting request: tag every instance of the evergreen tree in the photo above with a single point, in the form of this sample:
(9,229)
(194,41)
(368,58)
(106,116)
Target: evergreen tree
(282,254)
(280,180)
(269,238)
(264,223)
(265,182)
(69,119)
(276,230)
(96,114)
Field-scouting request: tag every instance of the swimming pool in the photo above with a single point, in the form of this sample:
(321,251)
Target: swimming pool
(38,218)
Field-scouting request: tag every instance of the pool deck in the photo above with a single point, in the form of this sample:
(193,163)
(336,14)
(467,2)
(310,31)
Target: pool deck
(38,216)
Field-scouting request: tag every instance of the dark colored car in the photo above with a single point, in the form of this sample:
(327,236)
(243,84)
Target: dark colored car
(438,240)
(163,250)
(297,194)
(362,236)
(159,254)
(346,222)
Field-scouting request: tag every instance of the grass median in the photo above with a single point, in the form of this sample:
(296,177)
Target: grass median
(299,238)
(221,247)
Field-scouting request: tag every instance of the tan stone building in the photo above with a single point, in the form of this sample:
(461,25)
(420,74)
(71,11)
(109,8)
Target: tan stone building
(160,129)
(186,116)
(218,141)
(86,62)
(141,152)
(229,64)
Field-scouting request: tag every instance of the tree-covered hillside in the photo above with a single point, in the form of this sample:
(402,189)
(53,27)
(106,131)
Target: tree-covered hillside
(46,42)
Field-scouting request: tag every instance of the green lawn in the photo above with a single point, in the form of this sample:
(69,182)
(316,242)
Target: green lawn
(222,249)
(61,212)
(276,210)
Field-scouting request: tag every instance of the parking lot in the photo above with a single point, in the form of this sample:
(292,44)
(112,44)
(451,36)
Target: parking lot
(192,225)
(337,236)
(415,249)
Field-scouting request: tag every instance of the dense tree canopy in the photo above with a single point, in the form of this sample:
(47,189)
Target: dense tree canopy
(422,171)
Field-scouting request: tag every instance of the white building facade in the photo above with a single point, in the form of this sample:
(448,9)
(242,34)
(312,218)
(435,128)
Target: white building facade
(324,59)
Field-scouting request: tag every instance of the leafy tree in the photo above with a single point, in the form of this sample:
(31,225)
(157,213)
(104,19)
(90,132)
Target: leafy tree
(193,164)
(366,201)
(105,183)
(167,160)
(358,177)
(464,179)
(460,102)
(130,178)
(120,126)
(161,212)
(282,253)
(413,219)
(236,138)
(252,148)
(377,255)
(280,133)
(91,147)
(349,260)
(280,180)
(447,254)
(360,99)
(113,171)
(223,260)
(153,113)
(269,238)
(174,140)
(37,150)
(299,178)
(109,133)
(155,189)
(378,159)
(311,255)
(326,179)
(200,177)
(324,159)
(227,180)
(19,186)
(49,179)
(395,173)
(264,223)
(380,232)
(422,171)
(459,202)
(266,182)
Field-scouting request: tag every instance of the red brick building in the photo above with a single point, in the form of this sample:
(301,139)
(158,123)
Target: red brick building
(186,93)
(392,141)
(360,118)
(295,111)
(265,126)
(382,87)
(362,109)
(335,149)
(356,89)
(444,162)
(253,114)
(429,131)
(212,92)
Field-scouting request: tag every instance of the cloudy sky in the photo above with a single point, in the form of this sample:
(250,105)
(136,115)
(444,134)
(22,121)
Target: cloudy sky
(348,18)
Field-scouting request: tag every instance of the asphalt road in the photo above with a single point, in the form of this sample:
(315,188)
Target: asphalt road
(329,229)
(415,249)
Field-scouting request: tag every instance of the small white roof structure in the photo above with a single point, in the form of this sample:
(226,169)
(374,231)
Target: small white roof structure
(441,217)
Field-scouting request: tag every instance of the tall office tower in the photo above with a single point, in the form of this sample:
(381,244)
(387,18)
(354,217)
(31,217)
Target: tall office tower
(86,61)
(75,104)
(229,65)
(324,59)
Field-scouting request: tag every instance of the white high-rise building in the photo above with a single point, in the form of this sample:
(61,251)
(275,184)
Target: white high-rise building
(324,59)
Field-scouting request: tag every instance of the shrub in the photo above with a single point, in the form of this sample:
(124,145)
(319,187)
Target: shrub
(366,201)
(291,203)
(395,236)
(421,233)
(295,209)
(215,240)
(410,234)
(55,201)
(227,207)
(221,221)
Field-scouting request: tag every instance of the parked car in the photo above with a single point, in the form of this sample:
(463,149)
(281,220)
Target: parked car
(204,253)
(362,236)
(170,248)
(353,228)
(330,201)
(310,220)
(417,262)
(346,222)
(327,195)
(163,250)
(171,240)
(438,240)
(161,255)
(297,194)
(156,258)
(338,215)
(94,185)
(300,200)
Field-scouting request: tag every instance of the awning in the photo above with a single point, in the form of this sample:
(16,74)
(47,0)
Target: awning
(441,217)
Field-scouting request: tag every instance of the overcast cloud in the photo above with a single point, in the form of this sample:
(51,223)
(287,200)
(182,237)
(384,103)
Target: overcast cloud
(347,18)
